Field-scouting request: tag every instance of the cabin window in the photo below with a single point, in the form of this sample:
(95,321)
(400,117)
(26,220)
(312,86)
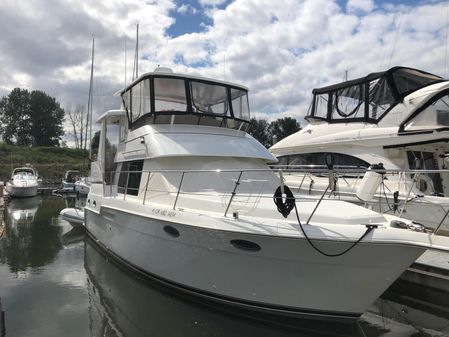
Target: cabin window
(380,98)
(321,106)
(434,116)
(240,105)
(112,141)
(426,161)
(209,98)
(170,95)
(318,158)
(127,102)
(140,100)
(408,80)
(349,102)
(129,178)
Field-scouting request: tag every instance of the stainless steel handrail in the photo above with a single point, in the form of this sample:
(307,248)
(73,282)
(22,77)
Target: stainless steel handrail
(306,171)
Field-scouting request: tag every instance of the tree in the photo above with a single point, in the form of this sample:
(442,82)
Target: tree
(47,117)
(284,127)
(14,117)
(80,124)
(30,118)
(261,130)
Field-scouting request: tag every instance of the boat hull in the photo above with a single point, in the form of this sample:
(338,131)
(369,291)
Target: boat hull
(82,188)
(286,276)
(21,191)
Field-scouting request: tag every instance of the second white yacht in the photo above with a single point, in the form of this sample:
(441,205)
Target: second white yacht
(399,118)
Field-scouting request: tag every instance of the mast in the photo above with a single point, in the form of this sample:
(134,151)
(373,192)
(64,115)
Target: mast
(136,55)
(89,102)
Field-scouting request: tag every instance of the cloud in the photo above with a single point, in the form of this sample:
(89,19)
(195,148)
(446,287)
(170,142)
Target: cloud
(186,9)
(280,50)
(364,6)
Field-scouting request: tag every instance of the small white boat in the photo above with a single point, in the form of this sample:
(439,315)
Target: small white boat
(82,186)
(70,177)
(74,216)
(181,193)
(24,182)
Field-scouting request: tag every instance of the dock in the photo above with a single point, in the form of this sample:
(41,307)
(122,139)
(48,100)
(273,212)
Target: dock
(431,270)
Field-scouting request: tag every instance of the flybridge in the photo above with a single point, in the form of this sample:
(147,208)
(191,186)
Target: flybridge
(369,98)
(163,97)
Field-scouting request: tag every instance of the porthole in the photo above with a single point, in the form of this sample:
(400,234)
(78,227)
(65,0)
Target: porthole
(246,245)
(172,231)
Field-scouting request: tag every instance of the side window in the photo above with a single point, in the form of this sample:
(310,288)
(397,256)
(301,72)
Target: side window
(129,178)
(140,99)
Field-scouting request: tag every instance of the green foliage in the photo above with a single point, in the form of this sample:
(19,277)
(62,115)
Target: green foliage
(284,127)
(281,128)
(261,130)
(30,118)
(51,162)
(46,119)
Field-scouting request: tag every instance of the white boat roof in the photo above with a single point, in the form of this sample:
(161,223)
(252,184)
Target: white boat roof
(112,115)
(167,72)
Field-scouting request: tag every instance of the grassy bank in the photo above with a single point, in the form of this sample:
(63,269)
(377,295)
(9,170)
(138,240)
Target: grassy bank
(51,162)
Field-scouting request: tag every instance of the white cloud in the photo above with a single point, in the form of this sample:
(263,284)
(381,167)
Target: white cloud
(211,2)
(280,50)
(186,9)
(360,6)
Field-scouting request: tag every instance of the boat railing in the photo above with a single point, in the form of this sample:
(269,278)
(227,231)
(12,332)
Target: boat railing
(236,184)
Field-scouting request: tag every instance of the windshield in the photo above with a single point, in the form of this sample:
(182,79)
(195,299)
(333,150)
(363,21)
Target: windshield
(161,99)
(433,116)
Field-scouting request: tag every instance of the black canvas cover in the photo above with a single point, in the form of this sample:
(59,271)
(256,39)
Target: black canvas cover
(367,98)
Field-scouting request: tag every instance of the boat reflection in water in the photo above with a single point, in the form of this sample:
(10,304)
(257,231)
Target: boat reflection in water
(411,308)
(21,212)
(122,304)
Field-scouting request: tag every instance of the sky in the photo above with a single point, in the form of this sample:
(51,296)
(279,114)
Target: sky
(280,50)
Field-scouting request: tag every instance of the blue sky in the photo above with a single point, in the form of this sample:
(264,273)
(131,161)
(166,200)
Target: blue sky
(280,50)
(190,15)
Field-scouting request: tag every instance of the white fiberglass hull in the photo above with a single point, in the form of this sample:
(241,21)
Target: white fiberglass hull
(82,187)
(286,275)
(21,191)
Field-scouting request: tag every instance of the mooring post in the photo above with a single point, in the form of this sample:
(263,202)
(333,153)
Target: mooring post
(2,321)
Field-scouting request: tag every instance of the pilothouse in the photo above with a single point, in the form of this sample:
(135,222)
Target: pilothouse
(163,97)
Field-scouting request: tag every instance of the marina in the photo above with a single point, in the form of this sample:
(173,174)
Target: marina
(269,170)
(217,224)
(86,292)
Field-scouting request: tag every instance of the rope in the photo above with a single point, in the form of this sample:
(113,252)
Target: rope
(285,207)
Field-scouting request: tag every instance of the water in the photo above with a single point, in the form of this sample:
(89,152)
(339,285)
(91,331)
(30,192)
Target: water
(55,282)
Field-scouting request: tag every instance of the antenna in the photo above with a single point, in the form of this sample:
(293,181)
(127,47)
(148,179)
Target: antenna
(89,102)
(125,61)
(395,39)
(445,51)
(136,55)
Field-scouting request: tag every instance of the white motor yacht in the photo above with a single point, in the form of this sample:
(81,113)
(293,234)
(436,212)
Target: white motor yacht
(182,194)
(24,182)
(399,118)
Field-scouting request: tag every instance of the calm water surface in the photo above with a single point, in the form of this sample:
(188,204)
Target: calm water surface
(54,282)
